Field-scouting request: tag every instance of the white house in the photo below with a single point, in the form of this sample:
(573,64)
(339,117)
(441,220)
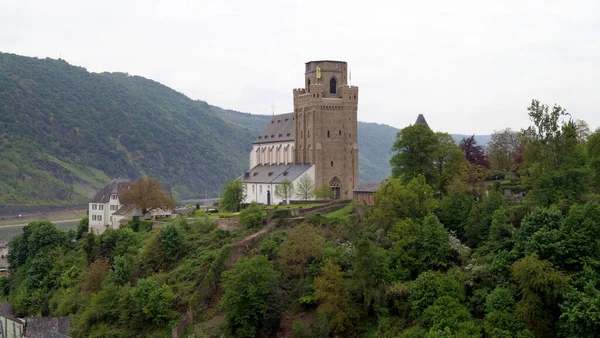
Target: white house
(271,161)
(105,210)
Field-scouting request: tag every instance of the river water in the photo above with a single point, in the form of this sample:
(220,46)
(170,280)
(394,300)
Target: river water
(8,232)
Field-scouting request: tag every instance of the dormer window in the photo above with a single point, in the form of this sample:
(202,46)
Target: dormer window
(271,173)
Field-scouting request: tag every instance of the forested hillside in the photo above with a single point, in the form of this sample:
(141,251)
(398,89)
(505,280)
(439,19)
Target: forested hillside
(66,131)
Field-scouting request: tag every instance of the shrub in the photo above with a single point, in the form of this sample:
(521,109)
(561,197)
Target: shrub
(252,216)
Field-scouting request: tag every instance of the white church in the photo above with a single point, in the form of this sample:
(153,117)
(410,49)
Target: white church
(271,162)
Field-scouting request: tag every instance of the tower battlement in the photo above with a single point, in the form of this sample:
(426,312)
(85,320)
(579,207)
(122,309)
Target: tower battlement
(325,114)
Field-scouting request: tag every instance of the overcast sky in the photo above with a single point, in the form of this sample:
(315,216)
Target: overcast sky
(468,66)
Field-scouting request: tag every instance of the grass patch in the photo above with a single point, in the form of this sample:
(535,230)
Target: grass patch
(292,206)
(343,212)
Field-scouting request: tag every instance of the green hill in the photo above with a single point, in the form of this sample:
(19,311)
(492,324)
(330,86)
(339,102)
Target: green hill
(65,132)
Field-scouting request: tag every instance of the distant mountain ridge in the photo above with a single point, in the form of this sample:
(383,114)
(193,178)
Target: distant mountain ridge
(65,132)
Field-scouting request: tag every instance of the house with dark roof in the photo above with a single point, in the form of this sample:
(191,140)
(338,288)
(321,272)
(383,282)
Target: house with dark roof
(105,210)
(365,192)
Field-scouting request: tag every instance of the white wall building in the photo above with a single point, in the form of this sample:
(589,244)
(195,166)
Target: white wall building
(105,210)
(271,161)
(262,180)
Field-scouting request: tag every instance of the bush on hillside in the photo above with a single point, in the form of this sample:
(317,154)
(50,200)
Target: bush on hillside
(252,216)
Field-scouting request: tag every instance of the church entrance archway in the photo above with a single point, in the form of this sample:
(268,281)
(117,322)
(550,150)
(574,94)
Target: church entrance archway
(335,186)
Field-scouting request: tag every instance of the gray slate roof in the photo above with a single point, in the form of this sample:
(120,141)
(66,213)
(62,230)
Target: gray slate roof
(6,308)
(123,210)
(276,173)
(39,327)
(421,120)
(115,186)
(367,186)
(281,128)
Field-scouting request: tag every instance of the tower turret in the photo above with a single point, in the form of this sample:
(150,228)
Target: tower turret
(326,126)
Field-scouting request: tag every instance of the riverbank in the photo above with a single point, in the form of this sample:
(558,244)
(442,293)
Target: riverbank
(55,217)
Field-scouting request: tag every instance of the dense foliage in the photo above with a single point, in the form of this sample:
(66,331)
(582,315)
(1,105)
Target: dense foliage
(441,254)
(64,129)
(122,283)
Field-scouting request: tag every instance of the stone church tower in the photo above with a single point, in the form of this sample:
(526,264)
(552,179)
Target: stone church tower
(325,112)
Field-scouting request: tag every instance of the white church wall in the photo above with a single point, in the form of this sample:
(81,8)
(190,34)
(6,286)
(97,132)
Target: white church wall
(271,153)
(258,192)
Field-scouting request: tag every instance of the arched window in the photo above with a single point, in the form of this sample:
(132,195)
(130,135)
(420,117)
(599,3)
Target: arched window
(310,158)
(332,85)
(308,86)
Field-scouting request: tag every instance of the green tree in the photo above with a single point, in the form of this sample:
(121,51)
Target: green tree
(448,160)
(284,190)
(447,312)
(83,227)
(477,225)
(324,192)
(335,302)
(428,287)
(38,238)
(420,246)
(146,194)
(252,302)
(540,234)
(155,300)
(121,269)
(395,200)
(370,272)
(171,242)
(305,187)
(234,193)
(541,288)
(581,312)
(502,149)
(555,161)
(252,216)
(581,245)
(454,210)
(301,246)
(500,319)
(593,153)
(414,147)
(420,151)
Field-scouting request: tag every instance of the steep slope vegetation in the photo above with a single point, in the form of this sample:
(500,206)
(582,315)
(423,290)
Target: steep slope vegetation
(65,131)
